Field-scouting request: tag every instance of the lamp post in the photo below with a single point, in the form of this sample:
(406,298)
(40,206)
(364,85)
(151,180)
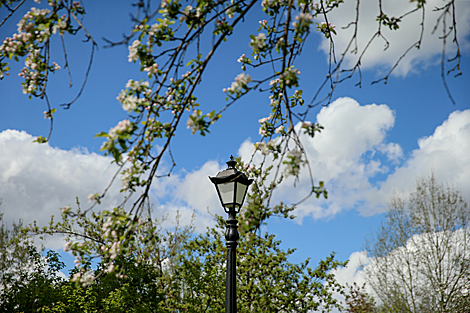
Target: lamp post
(231,186)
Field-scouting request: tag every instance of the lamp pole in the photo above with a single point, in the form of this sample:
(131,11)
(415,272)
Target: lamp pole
(231,186)
(231,236)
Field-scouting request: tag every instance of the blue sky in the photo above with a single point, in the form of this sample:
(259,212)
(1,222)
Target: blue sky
(376,139)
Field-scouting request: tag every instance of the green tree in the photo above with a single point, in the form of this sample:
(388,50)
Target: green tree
(266,280)
(419,256)
(41,289)
(35,286)
(139,291)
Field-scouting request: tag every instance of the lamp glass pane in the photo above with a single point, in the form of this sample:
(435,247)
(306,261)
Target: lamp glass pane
(241,190)
(226,193)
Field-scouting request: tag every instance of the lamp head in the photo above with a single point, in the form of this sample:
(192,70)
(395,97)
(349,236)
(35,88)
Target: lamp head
(231,186)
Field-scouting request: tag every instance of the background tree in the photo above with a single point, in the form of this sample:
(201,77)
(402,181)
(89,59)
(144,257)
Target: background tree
(419,257)
(15,254)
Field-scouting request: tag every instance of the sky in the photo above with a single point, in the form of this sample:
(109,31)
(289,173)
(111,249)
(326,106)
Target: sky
(377,139)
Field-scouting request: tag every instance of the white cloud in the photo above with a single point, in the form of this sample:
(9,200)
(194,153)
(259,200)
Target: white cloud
(446,153)
(190,193)
(392,150)
(352,152)
(350,131)
(400,40)
(37,179)
(345,155)
(348,155)
(352,273)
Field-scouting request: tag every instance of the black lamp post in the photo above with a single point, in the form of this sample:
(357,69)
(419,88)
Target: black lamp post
(231,186)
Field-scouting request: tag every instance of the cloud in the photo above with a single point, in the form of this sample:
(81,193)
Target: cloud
(400,40)
(188,193)
(37,179)
(345,155)
(352,155)
(352,273)
(445,152)
(361,169)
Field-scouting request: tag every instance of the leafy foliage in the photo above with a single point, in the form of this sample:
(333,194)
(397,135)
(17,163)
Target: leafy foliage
(35,286)
(184,272)
(267,281)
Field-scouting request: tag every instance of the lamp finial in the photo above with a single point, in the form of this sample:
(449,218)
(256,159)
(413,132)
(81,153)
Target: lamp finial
(232,162)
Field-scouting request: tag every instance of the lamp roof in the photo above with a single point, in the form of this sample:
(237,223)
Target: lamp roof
(231,174)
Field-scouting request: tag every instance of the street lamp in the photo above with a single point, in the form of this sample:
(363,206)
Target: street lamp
(231,186)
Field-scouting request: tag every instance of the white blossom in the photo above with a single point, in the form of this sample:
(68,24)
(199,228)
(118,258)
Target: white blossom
(259,42)
(113,251)
(122,127)
(91,197)
(274,82)
(87,279)
(60,26)
(240,82)
(190,123)
(293,167)
(136,85)
(129,103)
(76,276)
(152,69)
(108,223)
(133,51)
(265,119)
(125,179)
(66,209)
(110,268)
(187,10)
(302,18)
(280,129)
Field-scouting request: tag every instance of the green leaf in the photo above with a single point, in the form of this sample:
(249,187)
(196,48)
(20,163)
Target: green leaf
(41,139)
(101,134)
